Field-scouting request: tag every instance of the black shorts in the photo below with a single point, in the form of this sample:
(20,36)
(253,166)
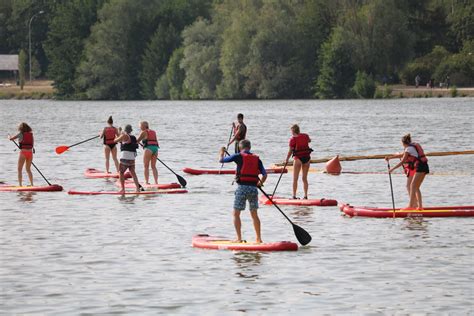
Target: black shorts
(111,146)
(423,167)
(304,159)
(237,149)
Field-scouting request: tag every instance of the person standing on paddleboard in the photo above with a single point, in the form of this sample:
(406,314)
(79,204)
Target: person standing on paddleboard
(26,143)
(109,133)
(416,168)
(249,167)
(150,154)
(301,152)
(239,131)
(128,149)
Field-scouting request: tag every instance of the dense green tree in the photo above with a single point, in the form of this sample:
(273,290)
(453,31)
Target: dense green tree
(165,40)
(111,67)
(336,76)
(68,30)
(364,86)
(461,21)
(22,61)
(176,75)
(200,62)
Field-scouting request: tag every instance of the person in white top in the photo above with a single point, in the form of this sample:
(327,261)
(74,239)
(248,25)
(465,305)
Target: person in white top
(416,168)
(128,149)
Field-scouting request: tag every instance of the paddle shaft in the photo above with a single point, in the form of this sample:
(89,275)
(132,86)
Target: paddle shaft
(268,197)
(391,187)
(281,174)
(84,141)
(227,148)
(33,164)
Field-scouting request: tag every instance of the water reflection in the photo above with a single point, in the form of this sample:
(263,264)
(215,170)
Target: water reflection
(416,224)
(245,262)
(26,197)
(302,214)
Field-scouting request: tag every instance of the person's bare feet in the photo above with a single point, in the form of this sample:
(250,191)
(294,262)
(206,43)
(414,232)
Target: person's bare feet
(122,191)
(258,241)
(237,241)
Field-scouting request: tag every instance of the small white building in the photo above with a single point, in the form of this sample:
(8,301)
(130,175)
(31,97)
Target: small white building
(8,68)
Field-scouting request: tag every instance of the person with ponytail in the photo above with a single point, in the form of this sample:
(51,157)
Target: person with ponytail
(26,143)
(416,167)
(109,133)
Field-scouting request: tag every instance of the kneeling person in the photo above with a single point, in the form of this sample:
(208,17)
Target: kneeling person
(128,148)
(249,167)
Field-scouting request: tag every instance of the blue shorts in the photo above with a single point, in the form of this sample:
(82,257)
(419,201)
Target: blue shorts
(246,193)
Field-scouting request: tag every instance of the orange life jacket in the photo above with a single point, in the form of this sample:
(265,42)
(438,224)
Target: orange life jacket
(109,135)
(249,171)
(151,139)
(412,162)
(27,141)
(301,148)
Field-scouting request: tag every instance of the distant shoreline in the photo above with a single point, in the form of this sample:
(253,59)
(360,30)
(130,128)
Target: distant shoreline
(44,90)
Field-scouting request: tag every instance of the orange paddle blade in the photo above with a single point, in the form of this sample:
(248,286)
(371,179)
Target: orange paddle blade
(61,149)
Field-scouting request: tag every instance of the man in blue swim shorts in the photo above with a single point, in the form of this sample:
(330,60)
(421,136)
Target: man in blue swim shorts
(249,167)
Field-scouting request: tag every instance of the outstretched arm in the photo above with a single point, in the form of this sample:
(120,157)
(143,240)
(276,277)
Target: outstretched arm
(14,136)
(404,157)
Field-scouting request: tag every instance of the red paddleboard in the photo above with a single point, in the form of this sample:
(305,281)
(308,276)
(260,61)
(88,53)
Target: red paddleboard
(310,202)
(227,171)
(129,184)
(72,192)
(44,188)
(438,211)
(92,173)
(218,243)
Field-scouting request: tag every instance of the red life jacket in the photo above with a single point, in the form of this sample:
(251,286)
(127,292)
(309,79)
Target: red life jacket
(249,171)
(28,141)
(151,139)
(301,148)
(109,135)
(412,162)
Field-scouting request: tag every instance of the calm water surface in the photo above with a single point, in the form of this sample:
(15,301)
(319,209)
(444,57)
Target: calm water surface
(63,254)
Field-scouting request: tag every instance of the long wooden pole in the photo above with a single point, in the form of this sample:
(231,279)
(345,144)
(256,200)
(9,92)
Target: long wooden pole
(382,156)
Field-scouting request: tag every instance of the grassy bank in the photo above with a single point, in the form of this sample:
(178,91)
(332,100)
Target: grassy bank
(43,89)
(36,90)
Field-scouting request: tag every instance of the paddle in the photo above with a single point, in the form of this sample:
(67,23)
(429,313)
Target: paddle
(391,187)
(61,149)
(302,235)
(227,148)
(181,180)
(281,174)
(33,165)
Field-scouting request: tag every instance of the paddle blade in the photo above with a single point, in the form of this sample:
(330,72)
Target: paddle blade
(181,180)
(302,235)
(61,149)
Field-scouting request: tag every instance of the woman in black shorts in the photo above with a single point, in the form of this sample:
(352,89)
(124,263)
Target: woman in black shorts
(109,134)
(299,148)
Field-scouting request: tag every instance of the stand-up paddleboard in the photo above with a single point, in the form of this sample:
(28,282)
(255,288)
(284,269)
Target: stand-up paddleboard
(227,171)
(129,184)
(174,191)
(218,243)
(285,201)
(92,173)
(44,188)
(439,211)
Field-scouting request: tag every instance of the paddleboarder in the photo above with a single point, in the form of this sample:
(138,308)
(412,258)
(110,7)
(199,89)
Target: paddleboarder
(301,152)
(109,133)
(239,131)
(128,149)
(416,167)
(26,144)
(150,144)
(249,169)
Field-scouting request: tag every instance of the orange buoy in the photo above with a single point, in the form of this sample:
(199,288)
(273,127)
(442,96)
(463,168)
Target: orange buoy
(333,166)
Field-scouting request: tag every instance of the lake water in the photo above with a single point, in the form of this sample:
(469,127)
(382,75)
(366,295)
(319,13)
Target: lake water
(62,254)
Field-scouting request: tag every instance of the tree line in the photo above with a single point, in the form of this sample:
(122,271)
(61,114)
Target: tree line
(240,49)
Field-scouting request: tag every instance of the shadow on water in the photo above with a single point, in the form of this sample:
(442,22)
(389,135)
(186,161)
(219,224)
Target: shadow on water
(416,224)
(26,197)
(245,262)
(302,214)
